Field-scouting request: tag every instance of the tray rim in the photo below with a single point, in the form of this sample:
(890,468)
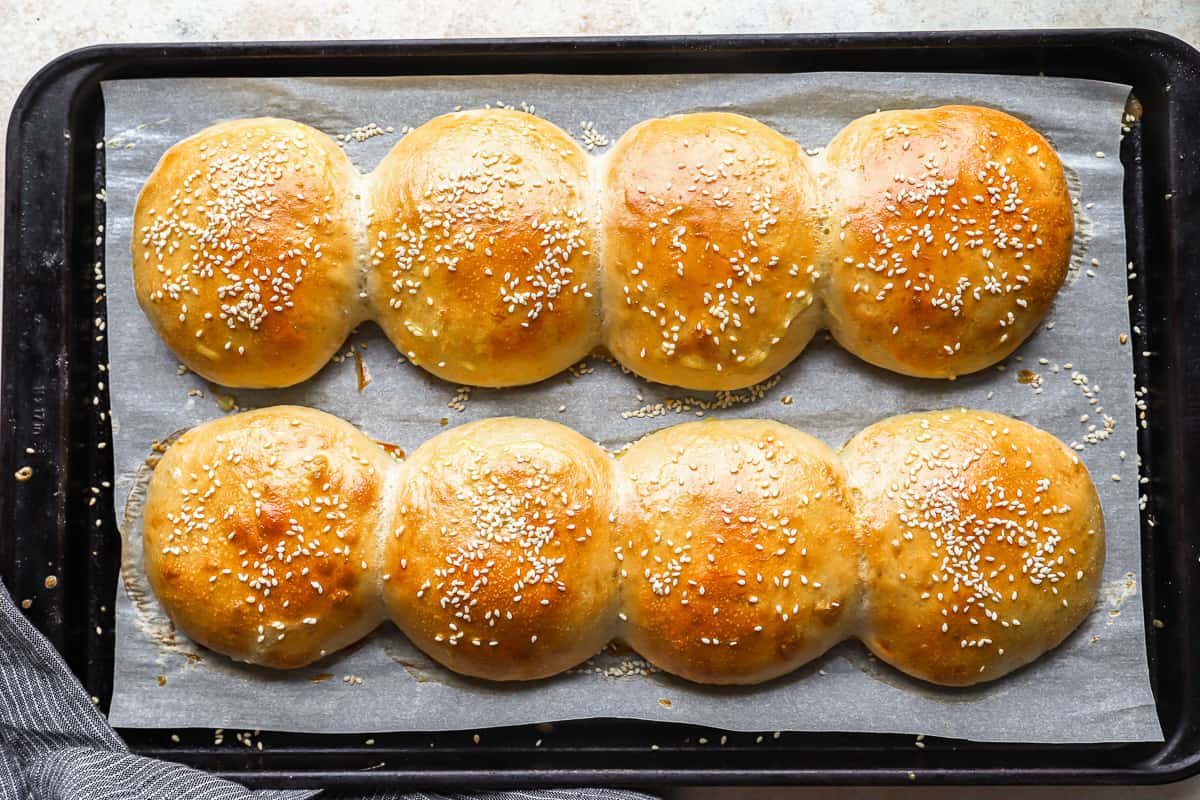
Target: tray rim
(97,58)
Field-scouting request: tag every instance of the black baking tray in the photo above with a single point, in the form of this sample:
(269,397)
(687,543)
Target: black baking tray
(60,521)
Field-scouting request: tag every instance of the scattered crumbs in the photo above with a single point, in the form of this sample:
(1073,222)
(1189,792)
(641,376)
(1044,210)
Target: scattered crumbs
(364,374)
(51,581)
(522,106)
(247,739)
(664,702)
(786,400)
(1158,623)
(225,402)
(580,369)
(635,666)
(162,680)
(393,450)
(721,400)
(459,402)
(444,421)
(1029,378)
(364,132)
(591,137)
(353,680)
(1123,338)
(320,677)
(24,473)
(26,604)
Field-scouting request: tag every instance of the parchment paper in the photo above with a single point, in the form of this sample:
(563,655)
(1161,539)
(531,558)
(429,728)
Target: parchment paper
(1093,688)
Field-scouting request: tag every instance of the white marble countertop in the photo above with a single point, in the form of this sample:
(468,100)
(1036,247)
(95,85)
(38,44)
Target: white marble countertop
(34,32)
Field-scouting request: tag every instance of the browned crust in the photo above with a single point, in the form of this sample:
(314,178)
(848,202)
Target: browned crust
(950,233)
(739,553)
(244,251)
(259,535)
(709,224)
(984,540)
(500,561)
(482,231)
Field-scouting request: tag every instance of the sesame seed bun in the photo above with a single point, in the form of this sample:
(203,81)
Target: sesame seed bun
(739,557)
(260,531)
(958,545)
(984,540)
(482,230)
(709,225)
(245,251)
(950,232)
(500,561)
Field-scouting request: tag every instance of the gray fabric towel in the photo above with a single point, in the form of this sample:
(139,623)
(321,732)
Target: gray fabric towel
(55,745)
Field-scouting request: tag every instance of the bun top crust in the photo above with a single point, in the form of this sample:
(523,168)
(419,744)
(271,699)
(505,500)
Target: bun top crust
(500,563)
(259,534)
(739,556)
(482,234)
(950,234)
(709,250)
(984,539)
(245,251)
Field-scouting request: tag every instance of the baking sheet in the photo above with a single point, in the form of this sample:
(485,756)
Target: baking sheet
(1073,378)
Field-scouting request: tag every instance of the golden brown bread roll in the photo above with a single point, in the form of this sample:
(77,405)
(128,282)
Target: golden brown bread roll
(931,242)
(260,533)
(950,233)
(245,251)
(482,232)
(500,563)
(984,539)
(739,552)
(958,545)
(709,224)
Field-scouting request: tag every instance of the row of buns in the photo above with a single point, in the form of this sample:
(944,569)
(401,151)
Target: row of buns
(958,545)
(703,250)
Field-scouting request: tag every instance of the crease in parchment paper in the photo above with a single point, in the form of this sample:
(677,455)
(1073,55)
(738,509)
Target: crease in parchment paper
(1095,687)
